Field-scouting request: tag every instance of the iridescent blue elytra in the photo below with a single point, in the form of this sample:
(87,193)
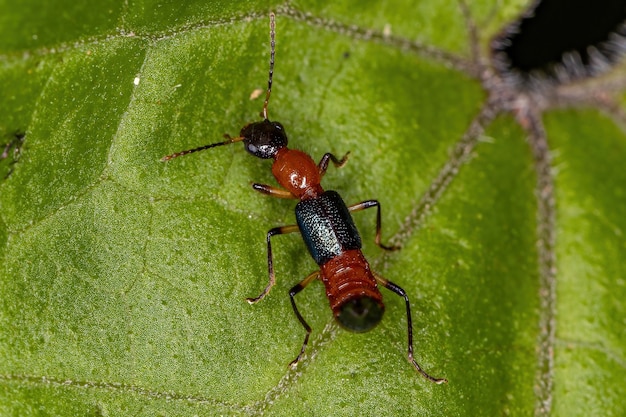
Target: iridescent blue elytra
(327,226)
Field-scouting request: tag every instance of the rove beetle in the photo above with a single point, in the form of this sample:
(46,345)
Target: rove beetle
(326,226)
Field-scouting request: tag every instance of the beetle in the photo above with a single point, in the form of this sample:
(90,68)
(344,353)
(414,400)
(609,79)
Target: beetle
(326,225)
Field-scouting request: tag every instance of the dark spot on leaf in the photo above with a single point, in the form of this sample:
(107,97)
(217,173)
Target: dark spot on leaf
(11,152)
(99,411)
(561,41)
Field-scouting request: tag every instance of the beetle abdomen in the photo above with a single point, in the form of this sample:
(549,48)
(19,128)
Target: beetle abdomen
(352,291)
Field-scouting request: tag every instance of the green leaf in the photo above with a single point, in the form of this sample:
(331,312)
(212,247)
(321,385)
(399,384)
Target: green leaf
(123,279)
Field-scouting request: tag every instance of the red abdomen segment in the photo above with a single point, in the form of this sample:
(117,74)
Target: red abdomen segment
(352,291)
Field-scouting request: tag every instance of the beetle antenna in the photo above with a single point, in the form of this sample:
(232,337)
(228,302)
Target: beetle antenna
(228,141)
(272,51)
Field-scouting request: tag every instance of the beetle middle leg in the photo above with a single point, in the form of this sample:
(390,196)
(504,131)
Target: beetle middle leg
(368,204)
(270,261)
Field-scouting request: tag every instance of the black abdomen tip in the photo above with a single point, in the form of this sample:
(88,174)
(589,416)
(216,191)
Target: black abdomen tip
(360,314)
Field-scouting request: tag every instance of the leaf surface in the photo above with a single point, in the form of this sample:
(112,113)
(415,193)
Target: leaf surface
(124,278)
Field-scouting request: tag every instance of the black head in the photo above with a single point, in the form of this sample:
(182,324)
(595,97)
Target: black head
(264,139)
(360,314)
